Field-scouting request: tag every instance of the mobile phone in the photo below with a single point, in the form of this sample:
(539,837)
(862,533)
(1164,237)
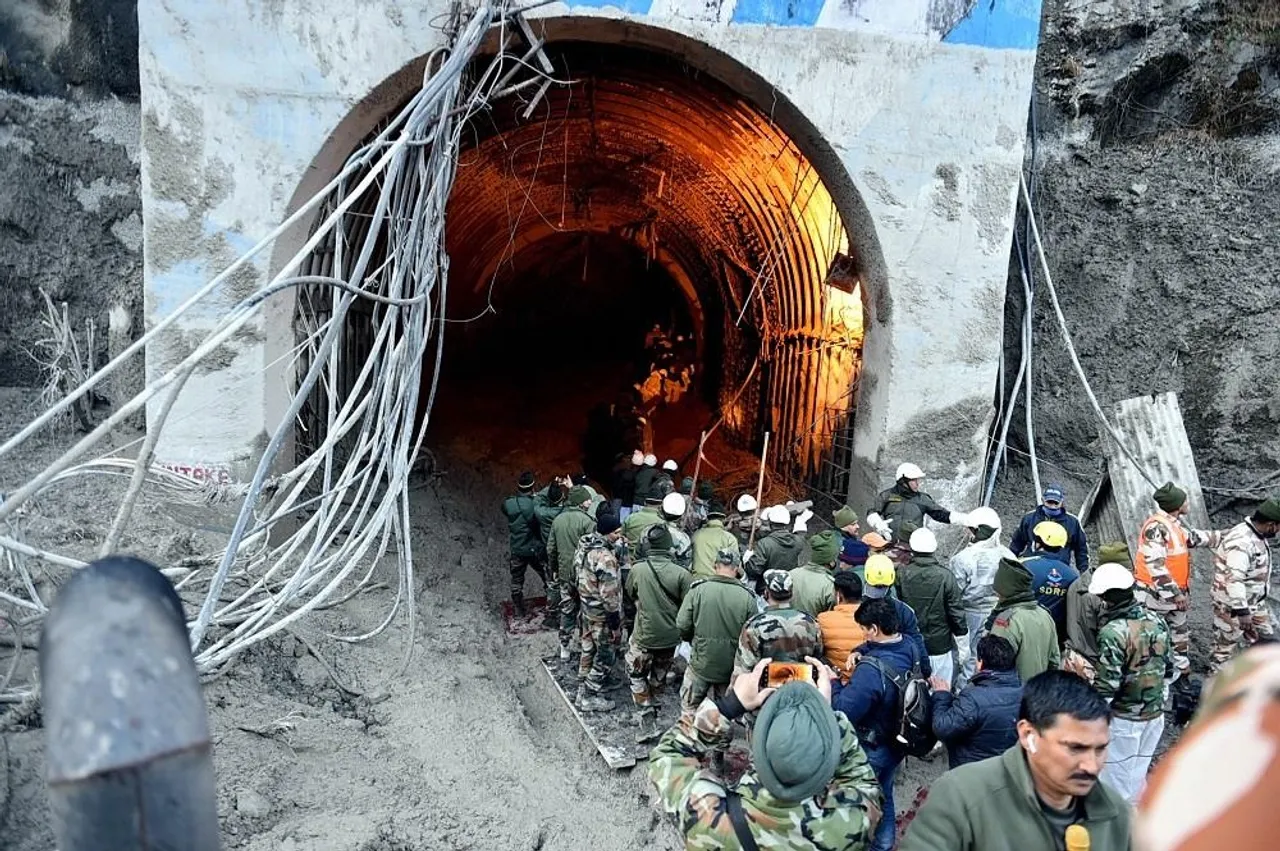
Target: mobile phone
(782,672)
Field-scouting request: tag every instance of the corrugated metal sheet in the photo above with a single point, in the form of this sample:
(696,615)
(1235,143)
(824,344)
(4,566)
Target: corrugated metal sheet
(1152,428)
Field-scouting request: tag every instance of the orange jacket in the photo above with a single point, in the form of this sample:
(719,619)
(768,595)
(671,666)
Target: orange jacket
(840,635)
(1177,556)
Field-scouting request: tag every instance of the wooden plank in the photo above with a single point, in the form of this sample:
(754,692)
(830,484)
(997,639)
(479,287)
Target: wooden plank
(613,733)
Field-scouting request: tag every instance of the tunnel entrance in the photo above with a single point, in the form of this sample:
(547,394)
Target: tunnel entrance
(645,192)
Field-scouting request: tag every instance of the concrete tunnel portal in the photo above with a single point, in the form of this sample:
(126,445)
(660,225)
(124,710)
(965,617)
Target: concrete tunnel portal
(654,188)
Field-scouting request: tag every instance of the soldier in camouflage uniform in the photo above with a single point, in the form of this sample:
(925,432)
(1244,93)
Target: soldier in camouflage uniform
(1163,569)
(600,596)
(1135,660)
(808,787)
(779,632)
(567,531)
(1241,577)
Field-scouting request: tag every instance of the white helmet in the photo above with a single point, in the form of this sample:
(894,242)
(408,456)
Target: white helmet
(923,541)
(1109,576)
(778,515)
(673,505)
(651,460)
(746,504)
(637,458)
(983,516)
(908,471)
(670,465)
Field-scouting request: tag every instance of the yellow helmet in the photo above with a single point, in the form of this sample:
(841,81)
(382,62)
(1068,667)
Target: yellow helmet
(879,570)
(1050,534)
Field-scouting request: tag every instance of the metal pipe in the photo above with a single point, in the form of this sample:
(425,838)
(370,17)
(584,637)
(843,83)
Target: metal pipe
(126,730)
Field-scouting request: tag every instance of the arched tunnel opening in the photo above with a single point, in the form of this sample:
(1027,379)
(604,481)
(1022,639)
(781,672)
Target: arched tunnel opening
(646,254)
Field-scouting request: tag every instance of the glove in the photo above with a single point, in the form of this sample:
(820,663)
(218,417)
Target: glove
(802,522)
(882,526)
(746,556)
(958,518)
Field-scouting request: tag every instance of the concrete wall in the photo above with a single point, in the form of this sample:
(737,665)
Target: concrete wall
(921,103)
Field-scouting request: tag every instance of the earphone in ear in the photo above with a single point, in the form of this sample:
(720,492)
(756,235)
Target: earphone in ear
(1031,743)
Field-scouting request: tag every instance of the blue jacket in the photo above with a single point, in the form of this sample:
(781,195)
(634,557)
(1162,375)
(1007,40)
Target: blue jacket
(909,628)
(853,552)
(871,701)
(1050,580)
(981,720)
(1076,543)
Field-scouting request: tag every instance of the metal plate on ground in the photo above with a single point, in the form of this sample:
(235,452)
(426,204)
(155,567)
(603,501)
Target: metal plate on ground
(614,732)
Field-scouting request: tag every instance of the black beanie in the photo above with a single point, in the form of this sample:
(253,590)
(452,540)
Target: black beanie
(607,521)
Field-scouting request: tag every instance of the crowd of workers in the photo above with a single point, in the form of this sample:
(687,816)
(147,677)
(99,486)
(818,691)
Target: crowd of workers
(1044,675)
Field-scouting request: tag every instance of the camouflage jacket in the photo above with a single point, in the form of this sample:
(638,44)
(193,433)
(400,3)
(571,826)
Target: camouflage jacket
(681,546)
(782,634)
(599,577)
(1135,654)
(1241,569)
(1154,546)
(841,818)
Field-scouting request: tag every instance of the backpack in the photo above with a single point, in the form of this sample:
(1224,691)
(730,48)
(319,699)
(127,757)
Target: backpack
(914,736)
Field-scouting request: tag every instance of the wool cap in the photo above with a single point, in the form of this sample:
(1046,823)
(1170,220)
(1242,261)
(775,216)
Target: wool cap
(845,516)
(1270,510)
(1116,552)
(525,482)
(578,495)
(658,537)
(1170,497)
(796,743)
(824,547)
(607,522)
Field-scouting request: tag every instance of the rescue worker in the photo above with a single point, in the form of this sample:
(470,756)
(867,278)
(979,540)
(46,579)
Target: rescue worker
(1050,577)
(644,480)
(710,540)
(813,583)
(525,548)
(780,632)
(1030,796)
(779,549)
(548,503)
(872,701)
(658,586)
(711,620)
(600,596)
(808,784)
(1052,507)
(1084,614)
(624,485)
(567,531)
(673,507)
(881,579)
(853,550)
(650,514)
(841,633)
(1241,577)
(930,590)
(974,568)
(743,520)
(1135,660)
(904,506)
(1163,569)
(670,467)
(1022,621)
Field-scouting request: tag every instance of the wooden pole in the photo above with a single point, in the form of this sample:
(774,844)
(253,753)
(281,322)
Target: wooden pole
(697,469)
(755,519)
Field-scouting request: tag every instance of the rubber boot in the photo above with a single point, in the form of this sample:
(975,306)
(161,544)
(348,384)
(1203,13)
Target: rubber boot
(588,702)
(551,618)
(517,605)
(649,729)
(564,653)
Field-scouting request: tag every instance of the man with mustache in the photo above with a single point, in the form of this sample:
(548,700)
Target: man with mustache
(1029,796)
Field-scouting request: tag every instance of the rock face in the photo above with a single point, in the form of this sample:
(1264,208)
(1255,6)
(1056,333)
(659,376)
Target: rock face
(1158,183)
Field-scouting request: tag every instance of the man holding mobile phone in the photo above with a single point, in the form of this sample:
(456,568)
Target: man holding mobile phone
(808,785)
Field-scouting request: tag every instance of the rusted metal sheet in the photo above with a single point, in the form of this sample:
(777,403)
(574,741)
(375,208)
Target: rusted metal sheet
(1152,428)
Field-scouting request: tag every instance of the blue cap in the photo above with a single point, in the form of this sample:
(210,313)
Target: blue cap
(1055,493)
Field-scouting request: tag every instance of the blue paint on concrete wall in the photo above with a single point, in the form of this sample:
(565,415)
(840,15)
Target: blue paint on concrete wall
(631,7)
(1010,24)
(783,13)
(170,288)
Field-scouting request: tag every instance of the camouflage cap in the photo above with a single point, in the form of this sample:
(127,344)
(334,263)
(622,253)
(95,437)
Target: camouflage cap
(778,582)
(729,555)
